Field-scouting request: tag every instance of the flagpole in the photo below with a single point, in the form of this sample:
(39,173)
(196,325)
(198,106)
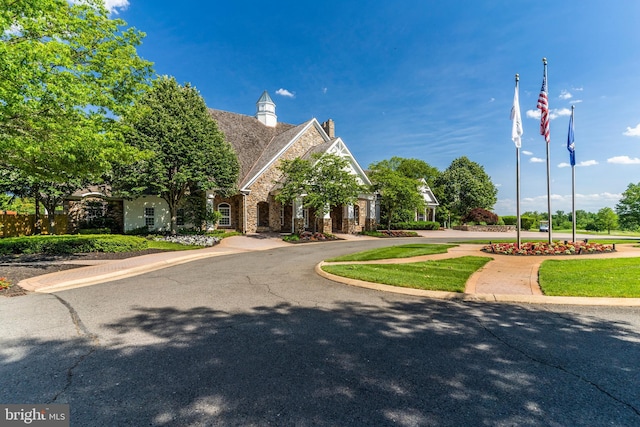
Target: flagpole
(518,225)
(544,61)
(573,180)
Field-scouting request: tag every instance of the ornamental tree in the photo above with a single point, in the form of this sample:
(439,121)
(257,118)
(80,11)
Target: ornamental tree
(398,192)
(68,71)
(325,181)
(185,150)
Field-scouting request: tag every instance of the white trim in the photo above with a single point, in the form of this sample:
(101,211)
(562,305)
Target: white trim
(340,148)
(313,122)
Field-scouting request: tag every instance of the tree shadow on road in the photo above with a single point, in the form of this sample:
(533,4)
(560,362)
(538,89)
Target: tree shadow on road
(414,363)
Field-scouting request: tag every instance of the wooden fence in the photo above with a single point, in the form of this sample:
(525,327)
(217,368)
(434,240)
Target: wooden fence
(13,224)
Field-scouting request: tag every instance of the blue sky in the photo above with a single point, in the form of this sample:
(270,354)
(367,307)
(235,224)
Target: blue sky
(432,80)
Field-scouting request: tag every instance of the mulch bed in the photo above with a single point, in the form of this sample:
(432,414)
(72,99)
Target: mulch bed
(19,267)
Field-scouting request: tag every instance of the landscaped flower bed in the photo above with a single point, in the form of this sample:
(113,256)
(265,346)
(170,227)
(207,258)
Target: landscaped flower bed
(544,248)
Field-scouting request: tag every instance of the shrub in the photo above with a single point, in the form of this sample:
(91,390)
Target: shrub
(94,231)
(71,244)
(527,222)
(479,215)
(414,225)
(509,219)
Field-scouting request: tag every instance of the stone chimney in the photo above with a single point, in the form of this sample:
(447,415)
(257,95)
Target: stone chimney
(330,128)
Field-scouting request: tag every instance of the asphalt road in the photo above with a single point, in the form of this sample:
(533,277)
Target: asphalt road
(259,339)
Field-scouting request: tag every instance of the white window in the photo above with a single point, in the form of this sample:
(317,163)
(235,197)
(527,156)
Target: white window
(150,217)
(225,210)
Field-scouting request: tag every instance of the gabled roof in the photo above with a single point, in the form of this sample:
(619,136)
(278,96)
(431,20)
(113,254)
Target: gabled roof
(248,137)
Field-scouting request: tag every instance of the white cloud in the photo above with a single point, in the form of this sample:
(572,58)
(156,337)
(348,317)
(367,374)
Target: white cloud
(559,113)
(565,94)
(632,131)
(536,160)
(112,5)
(553,114)
(624,160)
(582,164)
(492,100)
(324,90)
(527,153)
(588,163)
(284,92)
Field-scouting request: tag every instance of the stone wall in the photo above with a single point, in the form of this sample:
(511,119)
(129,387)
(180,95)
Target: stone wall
(262,186)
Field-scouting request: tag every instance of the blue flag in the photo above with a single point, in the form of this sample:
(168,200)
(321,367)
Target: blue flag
(571,145)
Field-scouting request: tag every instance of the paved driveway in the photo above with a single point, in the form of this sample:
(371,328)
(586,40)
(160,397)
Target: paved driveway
(259,339)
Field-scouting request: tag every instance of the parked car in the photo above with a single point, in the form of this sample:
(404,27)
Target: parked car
(544,226)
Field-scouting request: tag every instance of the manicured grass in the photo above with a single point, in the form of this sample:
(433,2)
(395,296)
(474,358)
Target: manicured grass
(399,251)
(441,275)
(613,277)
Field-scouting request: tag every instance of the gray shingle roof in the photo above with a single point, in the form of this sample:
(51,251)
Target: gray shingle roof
(252,141)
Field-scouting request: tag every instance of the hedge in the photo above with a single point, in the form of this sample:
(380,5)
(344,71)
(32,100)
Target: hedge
(71,244)
(527,222)
(413,225)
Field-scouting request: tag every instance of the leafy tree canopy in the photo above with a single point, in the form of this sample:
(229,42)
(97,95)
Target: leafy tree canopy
(325,180)
(185,150)
(398,191)
(628,208)
(68,72)
(466,186)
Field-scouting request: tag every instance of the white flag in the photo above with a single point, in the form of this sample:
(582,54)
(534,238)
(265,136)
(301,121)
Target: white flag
(516,129)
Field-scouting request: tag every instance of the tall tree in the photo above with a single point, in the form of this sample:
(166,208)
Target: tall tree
(184,149)
(411,168)
(628,208)
(68,72)
(607,219)
(466,186)
(398,192)
(325,182)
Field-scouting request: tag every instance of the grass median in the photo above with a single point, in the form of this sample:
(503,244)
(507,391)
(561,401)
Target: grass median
(392,252)
(611,277)
(442,275)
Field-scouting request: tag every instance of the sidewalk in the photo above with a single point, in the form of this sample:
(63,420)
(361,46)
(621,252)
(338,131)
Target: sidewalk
(504,279)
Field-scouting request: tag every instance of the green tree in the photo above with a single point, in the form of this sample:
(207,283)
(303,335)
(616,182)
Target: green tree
(628,208)
(325,181)
(68,72)
(398,192)
(607,219)
(185,150)
(411,168)
(465,186)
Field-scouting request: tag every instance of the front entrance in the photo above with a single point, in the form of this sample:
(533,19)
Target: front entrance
(336,219)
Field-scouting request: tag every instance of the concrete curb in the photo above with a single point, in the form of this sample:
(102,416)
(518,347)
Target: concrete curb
(502,298)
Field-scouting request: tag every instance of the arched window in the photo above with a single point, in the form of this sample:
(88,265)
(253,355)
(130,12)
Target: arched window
(225,211)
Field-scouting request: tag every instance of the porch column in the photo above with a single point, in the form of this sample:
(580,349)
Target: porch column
(327,227)
(209,225)
(371,220)
(348,223)
(298,216)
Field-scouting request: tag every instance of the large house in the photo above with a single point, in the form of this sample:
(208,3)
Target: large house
(260,142)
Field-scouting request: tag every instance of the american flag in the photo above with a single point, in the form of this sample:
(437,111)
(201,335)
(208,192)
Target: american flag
(543,105)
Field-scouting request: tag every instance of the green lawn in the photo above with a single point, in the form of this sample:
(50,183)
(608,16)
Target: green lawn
(442,275)
(390,252)
(612,277)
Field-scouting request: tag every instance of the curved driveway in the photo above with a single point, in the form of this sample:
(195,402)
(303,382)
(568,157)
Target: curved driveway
(259,339)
